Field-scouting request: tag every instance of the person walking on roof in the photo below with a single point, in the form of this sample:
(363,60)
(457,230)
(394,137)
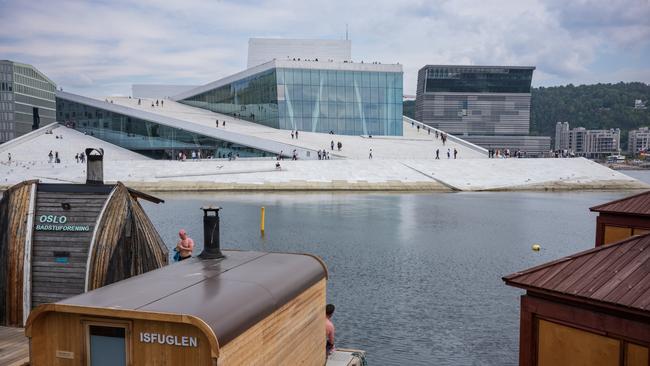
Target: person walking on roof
(370,154)
(332,145)
(437,154)
(296,134)
(455,153)
(448,153)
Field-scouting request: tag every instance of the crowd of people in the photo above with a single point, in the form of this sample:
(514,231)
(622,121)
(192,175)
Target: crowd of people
(505,154)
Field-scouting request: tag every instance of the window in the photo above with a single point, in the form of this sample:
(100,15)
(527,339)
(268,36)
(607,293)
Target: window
(107,344)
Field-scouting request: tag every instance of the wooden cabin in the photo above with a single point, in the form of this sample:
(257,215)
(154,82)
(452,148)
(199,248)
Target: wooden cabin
(249,308)
(588,309)
(60,240)
(620,219)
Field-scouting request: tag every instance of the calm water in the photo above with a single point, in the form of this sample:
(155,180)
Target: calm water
(416,278)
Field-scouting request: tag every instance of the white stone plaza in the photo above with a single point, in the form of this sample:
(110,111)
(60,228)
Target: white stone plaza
(405,163)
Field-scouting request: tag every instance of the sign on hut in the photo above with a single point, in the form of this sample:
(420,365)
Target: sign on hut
(60,240)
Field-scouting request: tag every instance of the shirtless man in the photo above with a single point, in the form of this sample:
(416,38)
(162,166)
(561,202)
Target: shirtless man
(185,245)
(329,328)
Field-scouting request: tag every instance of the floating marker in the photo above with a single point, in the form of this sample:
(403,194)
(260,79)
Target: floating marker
(536,247)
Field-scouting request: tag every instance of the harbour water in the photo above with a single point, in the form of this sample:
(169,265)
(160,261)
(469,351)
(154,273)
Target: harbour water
(416,278)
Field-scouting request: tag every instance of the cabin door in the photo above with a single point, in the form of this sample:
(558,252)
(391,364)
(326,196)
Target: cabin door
(107,344)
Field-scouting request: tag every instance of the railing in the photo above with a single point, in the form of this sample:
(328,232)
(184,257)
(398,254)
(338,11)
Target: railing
(453,138)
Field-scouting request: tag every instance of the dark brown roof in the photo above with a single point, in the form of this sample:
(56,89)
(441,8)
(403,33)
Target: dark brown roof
(614,275)
(638,204)
(230,295)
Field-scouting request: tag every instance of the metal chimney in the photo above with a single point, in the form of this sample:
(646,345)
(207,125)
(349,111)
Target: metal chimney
(94,166)
(211,242)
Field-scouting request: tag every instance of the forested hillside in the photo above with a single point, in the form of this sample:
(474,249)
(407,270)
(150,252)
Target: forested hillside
(595,106)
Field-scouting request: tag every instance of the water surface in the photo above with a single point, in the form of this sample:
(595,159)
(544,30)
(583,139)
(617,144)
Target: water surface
(416,278)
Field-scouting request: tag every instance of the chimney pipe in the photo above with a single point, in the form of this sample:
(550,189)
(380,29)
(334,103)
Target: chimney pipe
(94,166)
(211,242)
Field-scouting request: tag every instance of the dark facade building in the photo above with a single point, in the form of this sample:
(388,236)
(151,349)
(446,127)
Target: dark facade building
(487,105)
(26,99)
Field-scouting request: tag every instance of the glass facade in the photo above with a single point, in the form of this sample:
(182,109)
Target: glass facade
(478,79)
(253,98)
(146,137)
(342,101)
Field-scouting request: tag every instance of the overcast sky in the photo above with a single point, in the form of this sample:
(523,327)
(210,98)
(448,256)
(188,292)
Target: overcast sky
(99,48)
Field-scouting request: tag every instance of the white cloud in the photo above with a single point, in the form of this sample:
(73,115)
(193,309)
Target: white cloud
(97,48)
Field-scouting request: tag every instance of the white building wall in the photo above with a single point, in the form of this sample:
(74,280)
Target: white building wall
(158,91)
(261,50)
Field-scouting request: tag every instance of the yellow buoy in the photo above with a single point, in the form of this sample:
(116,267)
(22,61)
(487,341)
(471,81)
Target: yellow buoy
(536,247)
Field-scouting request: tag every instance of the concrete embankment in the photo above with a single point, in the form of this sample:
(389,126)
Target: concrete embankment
(338,175)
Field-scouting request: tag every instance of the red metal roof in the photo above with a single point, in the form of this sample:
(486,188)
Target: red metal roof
(616,275)
(638,204)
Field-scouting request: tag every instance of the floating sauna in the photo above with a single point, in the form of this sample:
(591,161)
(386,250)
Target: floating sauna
(622,218)
(588,309)
(225,308)
(60,240)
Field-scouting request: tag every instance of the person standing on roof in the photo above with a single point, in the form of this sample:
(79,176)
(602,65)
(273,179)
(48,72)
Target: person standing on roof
(184,246)
(329,328)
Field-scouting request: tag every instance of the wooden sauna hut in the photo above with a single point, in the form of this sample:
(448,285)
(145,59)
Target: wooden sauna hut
(588,309)
(226,308)
(60,240)
(622,218)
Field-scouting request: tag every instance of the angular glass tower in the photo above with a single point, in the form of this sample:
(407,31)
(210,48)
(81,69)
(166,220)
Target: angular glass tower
(317,96)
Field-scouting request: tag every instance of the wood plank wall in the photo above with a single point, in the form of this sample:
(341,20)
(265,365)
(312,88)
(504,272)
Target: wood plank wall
(53,281)
(14,207)
(292,335)
(127,243)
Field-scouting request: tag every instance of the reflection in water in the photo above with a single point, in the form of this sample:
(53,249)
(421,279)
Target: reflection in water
(416,278)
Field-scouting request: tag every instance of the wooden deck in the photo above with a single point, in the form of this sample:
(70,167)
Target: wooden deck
(14,347)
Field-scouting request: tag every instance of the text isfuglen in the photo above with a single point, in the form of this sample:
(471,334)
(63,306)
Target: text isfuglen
(172,340)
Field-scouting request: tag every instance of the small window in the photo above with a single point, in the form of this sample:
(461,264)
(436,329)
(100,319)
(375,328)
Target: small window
(107,344)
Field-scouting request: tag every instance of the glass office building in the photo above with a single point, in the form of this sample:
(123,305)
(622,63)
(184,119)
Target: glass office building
(343,98)
(26,99)
(146,137)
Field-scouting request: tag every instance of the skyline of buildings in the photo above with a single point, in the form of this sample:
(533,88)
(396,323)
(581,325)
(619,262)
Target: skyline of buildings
(588,143)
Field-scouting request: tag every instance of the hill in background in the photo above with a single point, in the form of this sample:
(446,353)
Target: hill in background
(598,106)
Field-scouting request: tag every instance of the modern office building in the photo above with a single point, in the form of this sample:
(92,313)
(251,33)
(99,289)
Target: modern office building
(317,96)
(588,143)
(486,105)
(262,50)
(26,99)
(638,140)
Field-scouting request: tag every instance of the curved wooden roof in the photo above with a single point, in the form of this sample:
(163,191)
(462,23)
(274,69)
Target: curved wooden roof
(615,275)
(229,295)
(638,204)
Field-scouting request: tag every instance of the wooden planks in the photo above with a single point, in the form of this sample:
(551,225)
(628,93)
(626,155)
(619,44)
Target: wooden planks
(292,335)
(52,278)
(14,347)
(126,243)
(14,208)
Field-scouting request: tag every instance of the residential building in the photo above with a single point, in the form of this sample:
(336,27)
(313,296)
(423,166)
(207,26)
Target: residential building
(26,99)
(638,140)
(588,143)
(486,105)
